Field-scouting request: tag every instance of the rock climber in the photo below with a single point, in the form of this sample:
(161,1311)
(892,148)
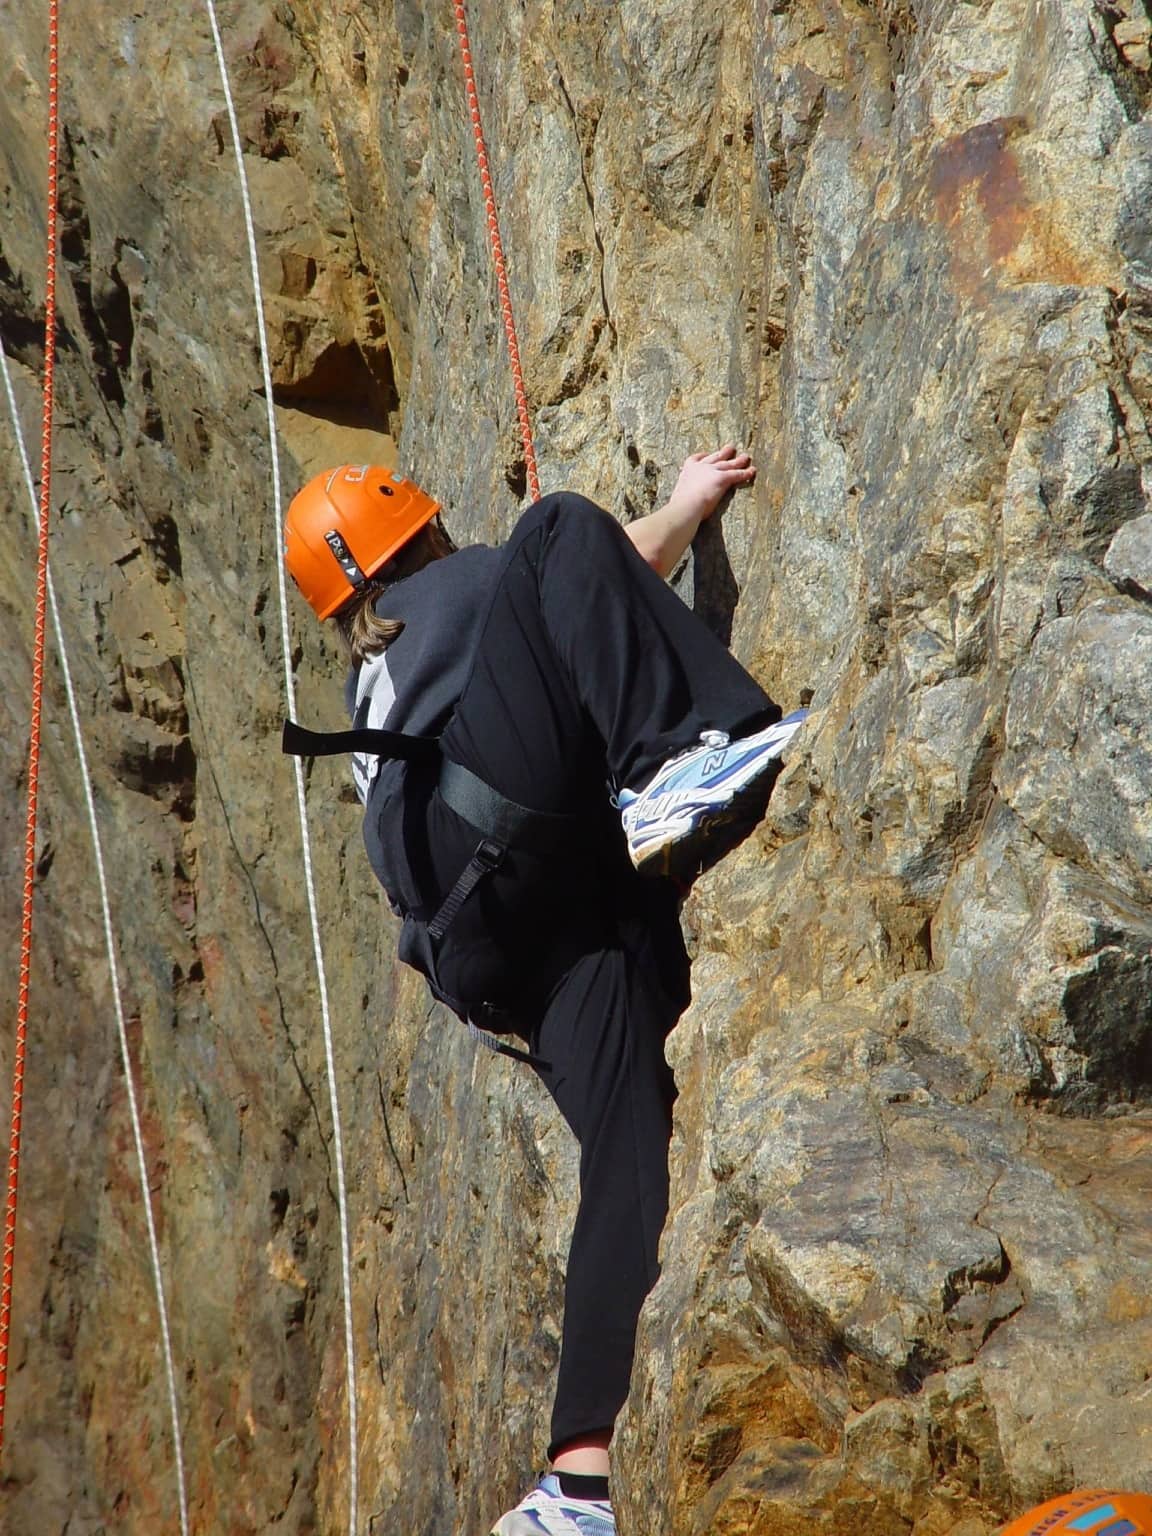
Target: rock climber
(552,726)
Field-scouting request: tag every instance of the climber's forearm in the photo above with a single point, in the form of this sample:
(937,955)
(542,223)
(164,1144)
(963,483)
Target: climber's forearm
(663,536)
(706,478)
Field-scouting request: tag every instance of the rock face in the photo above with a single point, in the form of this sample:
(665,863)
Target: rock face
(903,249)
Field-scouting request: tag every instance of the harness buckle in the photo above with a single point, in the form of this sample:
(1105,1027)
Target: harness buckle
(487,857)
(490,853)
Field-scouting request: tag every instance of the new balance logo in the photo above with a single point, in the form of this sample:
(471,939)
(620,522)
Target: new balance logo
(714,762)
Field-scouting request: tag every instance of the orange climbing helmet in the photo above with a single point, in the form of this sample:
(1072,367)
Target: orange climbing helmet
(1087,1512)
(344,525)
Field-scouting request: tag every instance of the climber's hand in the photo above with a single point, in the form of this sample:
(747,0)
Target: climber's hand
(706,479)
(664,535)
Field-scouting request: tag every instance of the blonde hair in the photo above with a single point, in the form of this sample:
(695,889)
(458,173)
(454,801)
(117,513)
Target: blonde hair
(363,631)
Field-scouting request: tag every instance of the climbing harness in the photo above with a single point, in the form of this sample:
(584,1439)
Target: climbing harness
(503,824)
(13,1185)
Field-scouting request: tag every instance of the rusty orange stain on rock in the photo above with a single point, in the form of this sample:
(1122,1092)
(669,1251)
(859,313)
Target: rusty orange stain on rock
(982,198)
(980,167)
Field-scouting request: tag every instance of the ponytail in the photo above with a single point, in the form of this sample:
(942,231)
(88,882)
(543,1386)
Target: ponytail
(363,631)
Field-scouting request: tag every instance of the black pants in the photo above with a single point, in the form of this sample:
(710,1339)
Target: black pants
(589,669)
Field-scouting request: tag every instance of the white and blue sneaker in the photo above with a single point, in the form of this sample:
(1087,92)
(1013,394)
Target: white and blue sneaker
(701,803)
(548,1512)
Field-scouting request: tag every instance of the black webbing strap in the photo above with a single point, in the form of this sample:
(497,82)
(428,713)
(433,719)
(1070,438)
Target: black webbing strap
(300,742)
(502,1048)
(502,819)
(489,855)
(504,823)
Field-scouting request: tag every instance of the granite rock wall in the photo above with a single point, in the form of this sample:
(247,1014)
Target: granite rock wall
(902,249)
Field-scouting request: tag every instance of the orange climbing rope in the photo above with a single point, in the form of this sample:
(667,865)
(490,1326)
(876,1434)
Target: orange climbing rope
(37,698)
(498,255)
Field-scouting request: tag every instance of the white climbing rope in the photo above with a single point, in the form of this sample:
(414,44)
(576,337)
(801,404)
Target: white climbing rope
(113,968)
(290,693)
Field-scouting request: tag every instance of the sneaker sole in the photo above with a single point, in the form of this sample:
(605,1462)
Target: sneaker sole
(686,856)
